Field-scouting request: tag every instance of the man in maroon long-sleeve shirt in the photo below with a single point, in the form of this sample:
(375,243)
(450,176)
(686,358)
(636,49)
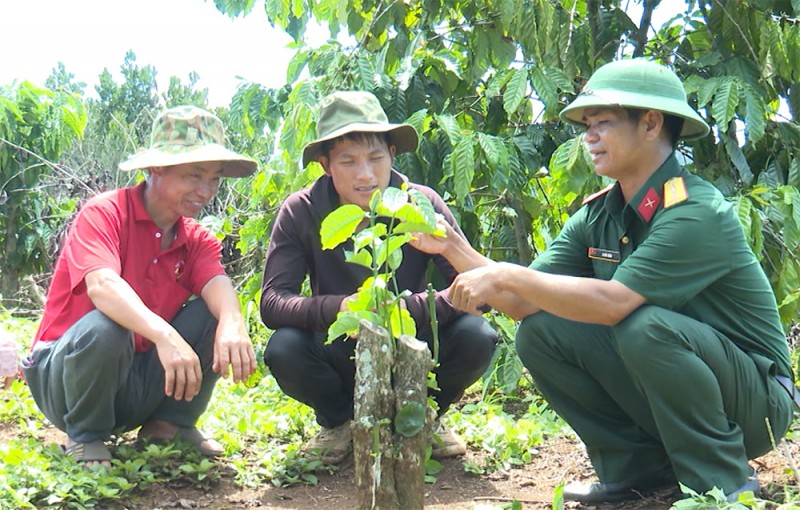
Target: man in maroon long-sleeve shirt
(356,146)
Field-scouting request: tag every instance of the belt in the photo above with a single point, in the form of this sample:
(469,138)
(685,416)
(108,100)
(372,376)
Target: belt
(789,386)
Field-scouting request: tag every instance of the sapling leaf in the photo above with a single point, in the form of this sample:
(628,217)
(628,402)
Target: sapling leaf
(395,259)
(415,227)
(395,243)
(366,236)
(410,213)
(424,204)
(391,202)
(346,323)
(339,225)
(401,322)
(361,257)
(410,419)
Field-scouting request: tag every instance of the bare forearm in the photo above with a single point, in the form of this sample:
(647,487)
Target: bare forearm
(580,299)
(115,298)
(221,299)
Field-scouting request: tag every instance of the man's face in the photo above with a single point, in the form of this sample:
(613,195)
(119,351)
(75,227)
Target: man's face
(358,168)
(614,141)
(183,190)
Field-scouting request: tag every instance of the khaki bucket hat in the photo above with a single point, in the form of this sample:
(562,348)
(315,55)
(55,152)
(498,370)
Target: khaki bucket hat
(188,134)
(355,111)
(637,83)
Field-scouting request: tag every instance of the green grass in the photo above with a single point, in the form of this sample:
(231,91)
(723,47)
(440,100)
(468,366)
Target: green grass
(262,431)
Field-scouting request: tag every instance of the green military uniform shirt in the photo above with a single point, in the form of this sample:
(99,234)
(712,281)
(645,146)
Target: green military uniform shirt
(679,244)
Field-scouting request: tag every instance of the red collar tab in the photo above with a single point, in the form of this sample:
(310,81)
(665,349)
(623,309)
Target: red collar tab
(650,202)
(597,194)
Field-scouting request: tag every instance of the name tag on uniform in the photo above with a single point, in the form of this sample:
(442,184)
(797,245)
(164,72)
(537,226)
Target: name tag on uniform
(602,254)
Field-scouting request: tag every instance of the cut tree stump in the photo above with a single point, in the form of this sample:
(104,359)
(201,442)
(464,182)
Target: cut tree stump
(389,467)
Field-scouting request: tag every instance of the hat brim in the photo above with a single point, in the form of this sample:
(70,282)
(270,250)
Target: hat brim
(233,164)
(402,136)
(694,127)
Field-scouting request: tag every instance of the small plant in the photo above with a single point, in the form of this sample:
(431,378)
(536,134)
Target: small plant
(378,246)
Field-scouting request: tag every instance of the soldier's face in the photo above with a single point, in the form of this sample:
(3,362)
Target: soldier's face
(614,141)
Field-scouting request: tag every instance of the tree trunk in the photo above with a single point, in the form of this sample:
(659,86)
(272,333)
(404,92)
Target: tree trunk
(372,426)
(413,362)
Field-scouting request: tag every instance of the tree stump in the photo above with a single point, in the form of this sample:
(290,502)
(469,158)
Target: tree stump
(410,387)
(389,466)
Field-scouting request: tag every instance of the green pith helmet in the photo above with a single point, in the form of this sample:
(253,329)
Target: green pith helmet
(188,134)
(637,83)
(356,111)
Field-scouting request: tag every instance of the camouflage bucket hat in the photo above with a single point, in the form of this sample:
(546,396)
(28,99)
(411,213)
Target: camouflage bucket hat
(637,83)
(188,134)
(354,111)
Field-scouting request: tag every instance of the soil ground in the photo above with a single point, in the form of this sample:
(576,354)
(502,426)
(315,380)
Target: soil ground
(558,460)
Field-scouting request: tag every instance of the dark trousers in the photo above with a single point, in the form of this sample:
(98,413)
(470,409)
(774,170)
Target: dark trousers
(658,394)
(90,383)
(323,376)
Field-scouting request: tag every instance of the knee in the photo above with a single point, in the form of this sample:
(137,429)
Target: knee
(476,341)
(96,331)
(531,335)
(287,349)
(634,336)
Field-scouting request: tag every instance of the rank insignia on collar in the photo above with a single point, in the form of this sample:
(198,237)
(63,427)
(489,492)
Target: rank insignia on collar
(674,192)
(647,207)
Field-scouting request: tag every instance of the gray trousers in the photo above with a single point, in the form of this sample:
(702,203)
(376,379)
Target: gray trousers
(90,383)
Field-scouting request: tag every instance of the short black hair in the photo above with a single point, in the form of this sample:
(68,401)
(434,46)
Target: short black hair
(365,137)
(673,125)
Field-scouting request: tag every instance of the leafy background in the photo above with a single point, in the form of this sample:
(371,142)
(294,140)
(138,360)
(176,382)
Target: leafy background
(482,81)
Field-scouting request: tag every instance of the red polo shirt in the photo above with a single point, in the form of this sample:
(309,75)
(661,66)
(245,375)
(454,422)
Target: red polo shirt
(114,231)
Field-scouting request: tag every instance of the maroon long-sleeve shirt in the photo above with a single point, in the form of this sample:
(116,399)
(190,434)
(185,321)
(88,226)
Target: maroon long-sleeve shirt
(295,250)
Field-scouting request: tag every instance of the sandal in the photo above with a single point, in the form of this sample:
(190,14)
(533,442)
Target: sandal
(94,451)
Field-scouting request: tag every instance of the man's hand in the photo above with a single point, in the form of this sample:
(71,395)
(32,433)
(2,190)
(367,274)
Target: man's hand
(182,373)
(472,290)
(233,348)
(433,244)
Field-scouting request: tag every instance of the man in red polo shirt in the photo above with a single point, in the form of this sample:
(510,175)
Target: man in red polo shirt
(121,344)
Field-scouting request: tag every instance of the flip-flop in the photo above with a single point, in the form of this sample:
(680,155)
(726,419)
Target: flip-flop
(193,436)
(94,451)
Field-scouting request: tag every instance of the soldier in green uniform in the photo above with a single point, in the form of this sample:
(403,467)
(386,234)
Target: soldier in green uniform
(649,325)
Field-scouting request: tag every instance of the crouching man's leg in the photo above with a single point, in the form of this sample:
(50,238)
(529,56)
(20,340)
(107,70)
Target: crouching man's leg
(322,377)
(714,405)
(577,369)
(164,418)
(76,381)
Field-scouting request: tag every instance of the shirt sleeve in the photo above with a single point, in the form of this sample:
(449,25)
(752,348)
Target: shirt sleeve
(285,270)
(95,243)
(687,250)
(567,253)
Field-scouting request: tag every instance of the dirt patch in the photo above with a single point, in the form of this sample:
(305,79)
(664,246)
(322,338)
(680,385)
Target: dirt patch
(558,460)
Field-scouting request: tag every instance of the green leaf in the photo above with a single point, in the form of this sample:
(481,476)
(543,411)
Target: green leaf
(515,91)
(401,322)
(463,165)
(424,205)
(794,173)
(346,323)
(361,257)
(737,158)
(393,199)
(755,116)
(410,419)
(449,125)
(725,102)
(340,224)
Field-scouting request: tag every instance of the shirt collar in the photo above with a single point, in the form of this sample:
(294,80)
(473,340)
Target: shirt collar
(649,198)
(140,215)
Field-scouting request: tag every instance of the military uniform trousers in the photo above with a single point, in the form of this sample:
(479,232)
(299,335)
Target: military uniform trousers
(90,383)
(658,394)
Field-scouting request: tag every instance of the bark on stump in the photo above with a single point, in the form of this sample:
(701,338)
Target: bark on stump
(390,470)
